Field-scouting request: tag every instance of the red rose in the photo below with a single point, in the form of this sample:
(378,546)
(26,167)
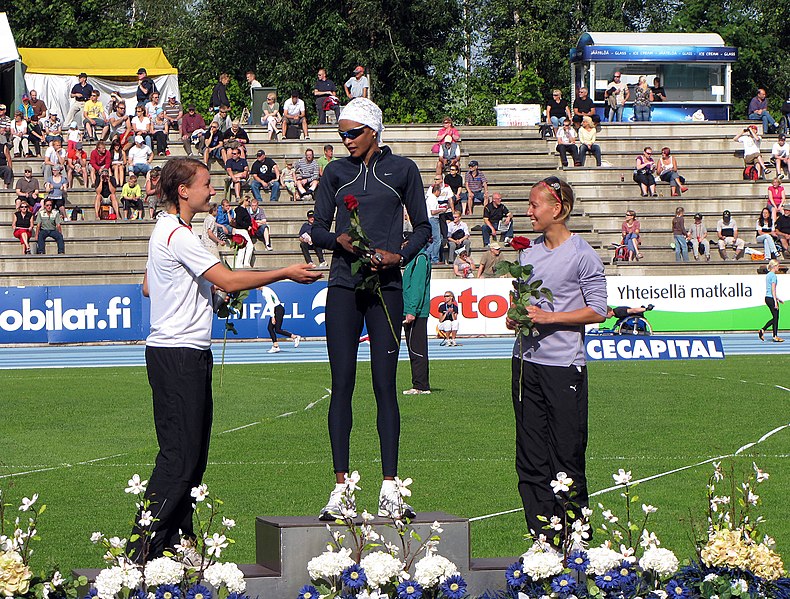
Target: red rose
(520,243)
(351,203)
(239,240)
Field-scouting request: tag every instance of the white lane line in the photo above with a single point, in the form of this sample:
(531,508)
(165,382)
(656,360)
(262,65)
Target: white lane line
(238,428)
(782,388)
(62,466)
(284,415)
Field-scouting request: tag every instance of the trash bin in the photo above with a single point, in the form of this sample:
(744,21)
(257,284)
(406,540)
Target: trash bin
(258,100)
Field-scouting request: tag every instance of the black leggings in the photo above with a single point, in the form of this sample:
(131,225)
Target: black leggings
(346,310)
(774,321)
(276,325)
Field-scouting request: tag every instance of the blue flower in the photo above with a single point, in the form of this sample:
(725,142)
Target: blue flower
(91,594)
(409,589)
(308,591)
(627,575)
(354,577)
(608,581)
(237,596)
(677,591)
(563,585)
(168,591)
(533,589)
(198,592)
(577,560)
(514,575)
(139,594)
(454,587)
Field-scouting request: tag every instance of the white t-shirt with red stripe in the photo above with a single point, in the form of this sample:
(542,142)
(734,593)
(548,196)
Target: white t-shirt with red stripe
(181,302)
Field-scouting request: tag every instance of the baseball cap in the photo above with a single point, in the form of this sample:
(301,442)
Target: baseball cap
(786,207)
(473,163)
(359,69)
(261,153)
(191,107)
(310,213)
(726,213)
(448,139)
(138,139)
(25,97)
(28,169)
(459,251)
(81,75)
(171,96)
(494,245)
(698,216)
(782,136)
(142,71)
(73,125)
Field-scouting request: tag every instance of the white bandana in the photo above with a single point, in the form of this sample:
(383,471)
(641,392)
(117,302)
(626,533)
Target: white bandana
(364,112)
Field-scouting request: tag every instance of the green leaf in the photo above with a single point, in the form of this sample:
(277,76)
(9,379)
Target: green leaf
(231,327)
(543,518)
(356,266)
(515,270)
(42,509)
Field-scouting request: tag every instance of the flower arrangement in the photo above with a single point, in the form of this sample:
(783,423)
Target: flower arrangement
(370,568)
(174,576)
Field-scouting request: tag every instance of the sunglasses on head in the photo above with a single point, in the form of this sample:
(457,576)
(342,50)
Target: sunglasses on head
(353,133)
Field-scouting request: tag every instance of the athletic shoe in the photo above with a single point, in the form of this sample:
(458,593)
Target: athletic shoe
(411,392)
(425,391)
(391,504)
(334,507)
(269,248)
(761,334)
(297,341)
(274,350)
(778,340)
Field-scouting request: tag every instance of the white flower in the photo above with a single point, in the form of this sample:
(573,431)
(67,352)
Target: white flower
(329,564)
(717,501)
(761,476)
(200,492)
(622,477)
(556,523)
(580,531)
(28,503)
(710,577)
(609,516)
(146,519)
(228,522)
(163,570)
(432,570)
(392,548)
(351,481)
(602,558)
(109,582)
(403,486)
(752,498)
(436,528)
(662,561)
(714,597)
(660,594)
(215,544)
(117,542)
(586,512)
(132,573)
(649,539)
(57,579)
(369,534)
(227,574)
(739,586)
(381,568)
(769,542)
(542,564)
(96,537)
(628,554)
(136,486)
(562,484)
(367,516)
(649,509)
(717,473)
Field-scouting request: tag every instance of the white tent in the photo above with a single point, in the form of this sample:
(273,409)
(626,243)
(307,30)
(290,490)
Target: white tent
(12,84)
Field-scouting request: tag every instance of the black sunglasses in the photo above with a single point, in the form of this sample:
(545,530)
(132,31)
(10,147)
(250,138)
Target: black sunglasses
(353,133)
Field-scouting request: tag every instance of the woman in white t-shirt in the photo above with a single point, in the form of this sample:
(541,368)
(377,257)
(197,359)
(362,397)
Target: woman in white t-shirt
(751,149)
(141,125)
(179,278)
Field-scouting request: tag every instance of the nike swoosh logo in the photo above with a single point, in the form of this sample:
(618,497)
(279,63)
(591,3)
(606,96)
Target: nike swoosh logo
(387,174)
(391,351)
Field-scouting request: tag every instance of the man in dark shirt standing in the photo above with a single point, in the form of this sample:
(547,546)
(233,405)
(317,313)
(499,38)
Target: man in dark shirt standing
(145,87)
(583,106)
(783,230)
(265,177)
(306,241)
(324,89)
(219,95)
(80,94)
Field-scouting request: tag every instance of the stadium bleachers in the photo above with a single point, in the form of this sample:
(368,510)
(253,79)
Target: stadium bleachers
(512,158)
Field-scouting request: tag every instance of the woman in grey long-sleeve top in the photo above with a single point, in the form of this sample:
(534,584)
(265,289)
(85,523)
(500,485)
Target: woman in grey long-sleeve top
(550,398)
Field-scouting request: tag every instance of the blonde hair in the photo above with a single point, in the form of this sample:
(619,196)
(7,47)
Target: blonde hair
(773,264)
(555,190)
(587,121)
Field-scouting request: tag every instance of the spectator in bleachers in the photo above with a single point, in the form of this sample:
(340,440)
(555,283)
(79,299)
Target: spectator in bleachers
(152,107)
(631,229)
(77,164)
(54,155)
(223,218)
(758,111)
(35,121)
(458,236)
(294,114)
(448,320)
(698,236)
(259,228)
(433,209)
(288,178)
(329,156)
(117,161)
(643,173)
(476,187)
(497,219)
(213,140)
(643,97)
(27,189)
(100,159)
(587,139)
(219,95)
(455,182)
(557,110)
(307,175)
(780,154)
(727,233)
(145,87)
(6,166)
(659,95)
(238,172)
(751,149)
(446,202)
(159,125)
(306,241)
(94,119)
(174,112)
(776,198)
(105,203)
(449,154)
(766,229)
(464,266)
(210,238)
(235,137)
(22,225)
(583,106)
(48,224)
(566,144)
(20,136)
(323,90)
(115,99)
(616,95)
(667,169)
(489,261)
(252,82)
(191,122)
(271,117)
(265,176)
(152,191)
(680,233)
(139,157)
(52,128)
(5,125)
(241,222)
(121,125)
(132,199)
(222,118)
(448,129)
(73,137)
(142,127)
(80,93)
(357,86)
(783,229)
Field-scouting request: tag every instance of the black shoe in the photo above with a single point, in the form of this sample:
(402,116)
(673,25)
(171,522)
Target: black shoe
(649,307)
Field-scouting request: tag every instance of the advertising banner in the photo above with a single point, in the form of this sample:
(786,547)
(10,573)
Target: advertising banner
(655,54)
(657,347)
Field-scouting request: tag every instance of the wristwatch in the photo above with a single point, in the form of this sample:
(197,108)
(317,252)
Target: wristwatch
(401,260)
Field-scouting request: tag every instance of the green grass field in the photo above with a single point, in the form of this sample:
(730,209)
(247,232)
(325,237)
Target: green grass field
(457,444)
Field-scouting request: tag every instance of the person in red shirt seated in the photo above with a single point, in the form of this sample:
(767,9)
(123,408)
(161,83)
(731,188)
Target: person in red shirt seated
(100,158)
